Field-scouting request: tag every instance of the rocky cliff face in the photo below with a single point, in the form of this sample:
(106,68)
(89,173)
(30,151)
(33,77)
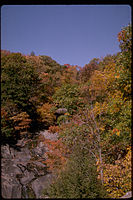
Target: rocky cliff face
(23,173)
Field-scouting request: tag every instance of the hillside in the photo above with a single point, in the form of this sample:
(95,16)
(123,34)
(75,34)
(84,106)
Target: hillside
(90,110)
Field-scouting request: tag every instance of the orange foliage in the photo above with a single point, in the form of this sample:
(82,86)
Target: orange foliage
(54,129)
(56,156)
(121,35)
(21,122)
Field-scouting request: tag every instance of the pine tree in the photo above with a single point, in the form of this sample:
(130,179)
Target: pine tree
(79,178)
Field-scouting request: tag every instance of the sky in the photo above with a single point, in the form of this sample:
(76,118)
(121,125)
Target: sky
(69,34)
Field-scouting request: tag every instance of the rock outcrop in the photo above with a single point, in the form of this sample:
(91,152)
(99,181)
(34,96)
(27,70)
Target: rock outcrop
(24,175)
(127,195)
(61,111)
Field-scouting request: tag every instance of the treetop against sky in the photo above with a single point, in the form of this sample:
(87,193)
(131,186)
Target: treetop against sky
(68,33)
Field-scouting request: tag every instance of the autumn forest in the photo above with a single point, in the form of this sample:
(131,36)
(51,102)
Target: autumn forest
(92,156)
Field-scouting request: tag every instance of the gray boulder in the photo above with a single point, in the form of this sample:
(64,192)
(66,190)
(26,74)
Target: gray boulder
(127,195)
(50,136)
(61,111)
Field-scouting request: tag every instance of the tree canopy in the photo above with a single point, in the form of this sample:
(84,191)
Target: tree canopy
(94,132)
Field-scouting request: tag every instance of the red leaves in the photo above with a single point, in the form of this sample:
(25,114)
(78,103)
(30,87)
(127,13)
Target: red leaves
(67,65)
(56,154)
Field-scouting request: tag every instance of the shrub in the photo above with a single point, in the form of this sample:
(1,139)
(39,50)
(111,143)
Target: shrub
(62,119)
(21,123)
(56,155)
(46,114)
(78,179)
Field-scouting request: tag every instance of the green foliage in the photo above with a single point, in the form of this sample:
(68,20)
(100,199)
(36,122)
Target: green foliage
(125,38)
(62,119)
(124,61)
(51,66)
(98,100)
(69,132)
(79,178)
(68,96)
(6,124)
(19,80)
(18,85)
(51,76)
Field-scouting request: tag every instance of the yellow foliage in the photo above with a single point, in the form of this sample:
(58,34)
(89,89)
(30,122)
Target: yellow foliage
(98,82)
(102,128)
(115,102)
(46,114)
(100,108)
(102,81)
(118,133)
(127,88)
(117,178)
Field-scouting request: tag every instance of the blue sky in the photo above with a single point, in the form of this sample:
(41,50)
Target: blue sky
(69,34)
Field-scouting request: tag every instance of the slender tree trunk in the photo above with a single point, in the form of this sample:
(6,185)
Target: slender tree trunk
(91,123)
(99,147)
(100,158)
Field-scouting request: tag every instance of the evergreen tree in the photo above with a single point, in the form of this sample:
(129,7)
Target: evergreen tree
(32,53)
(79,178)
